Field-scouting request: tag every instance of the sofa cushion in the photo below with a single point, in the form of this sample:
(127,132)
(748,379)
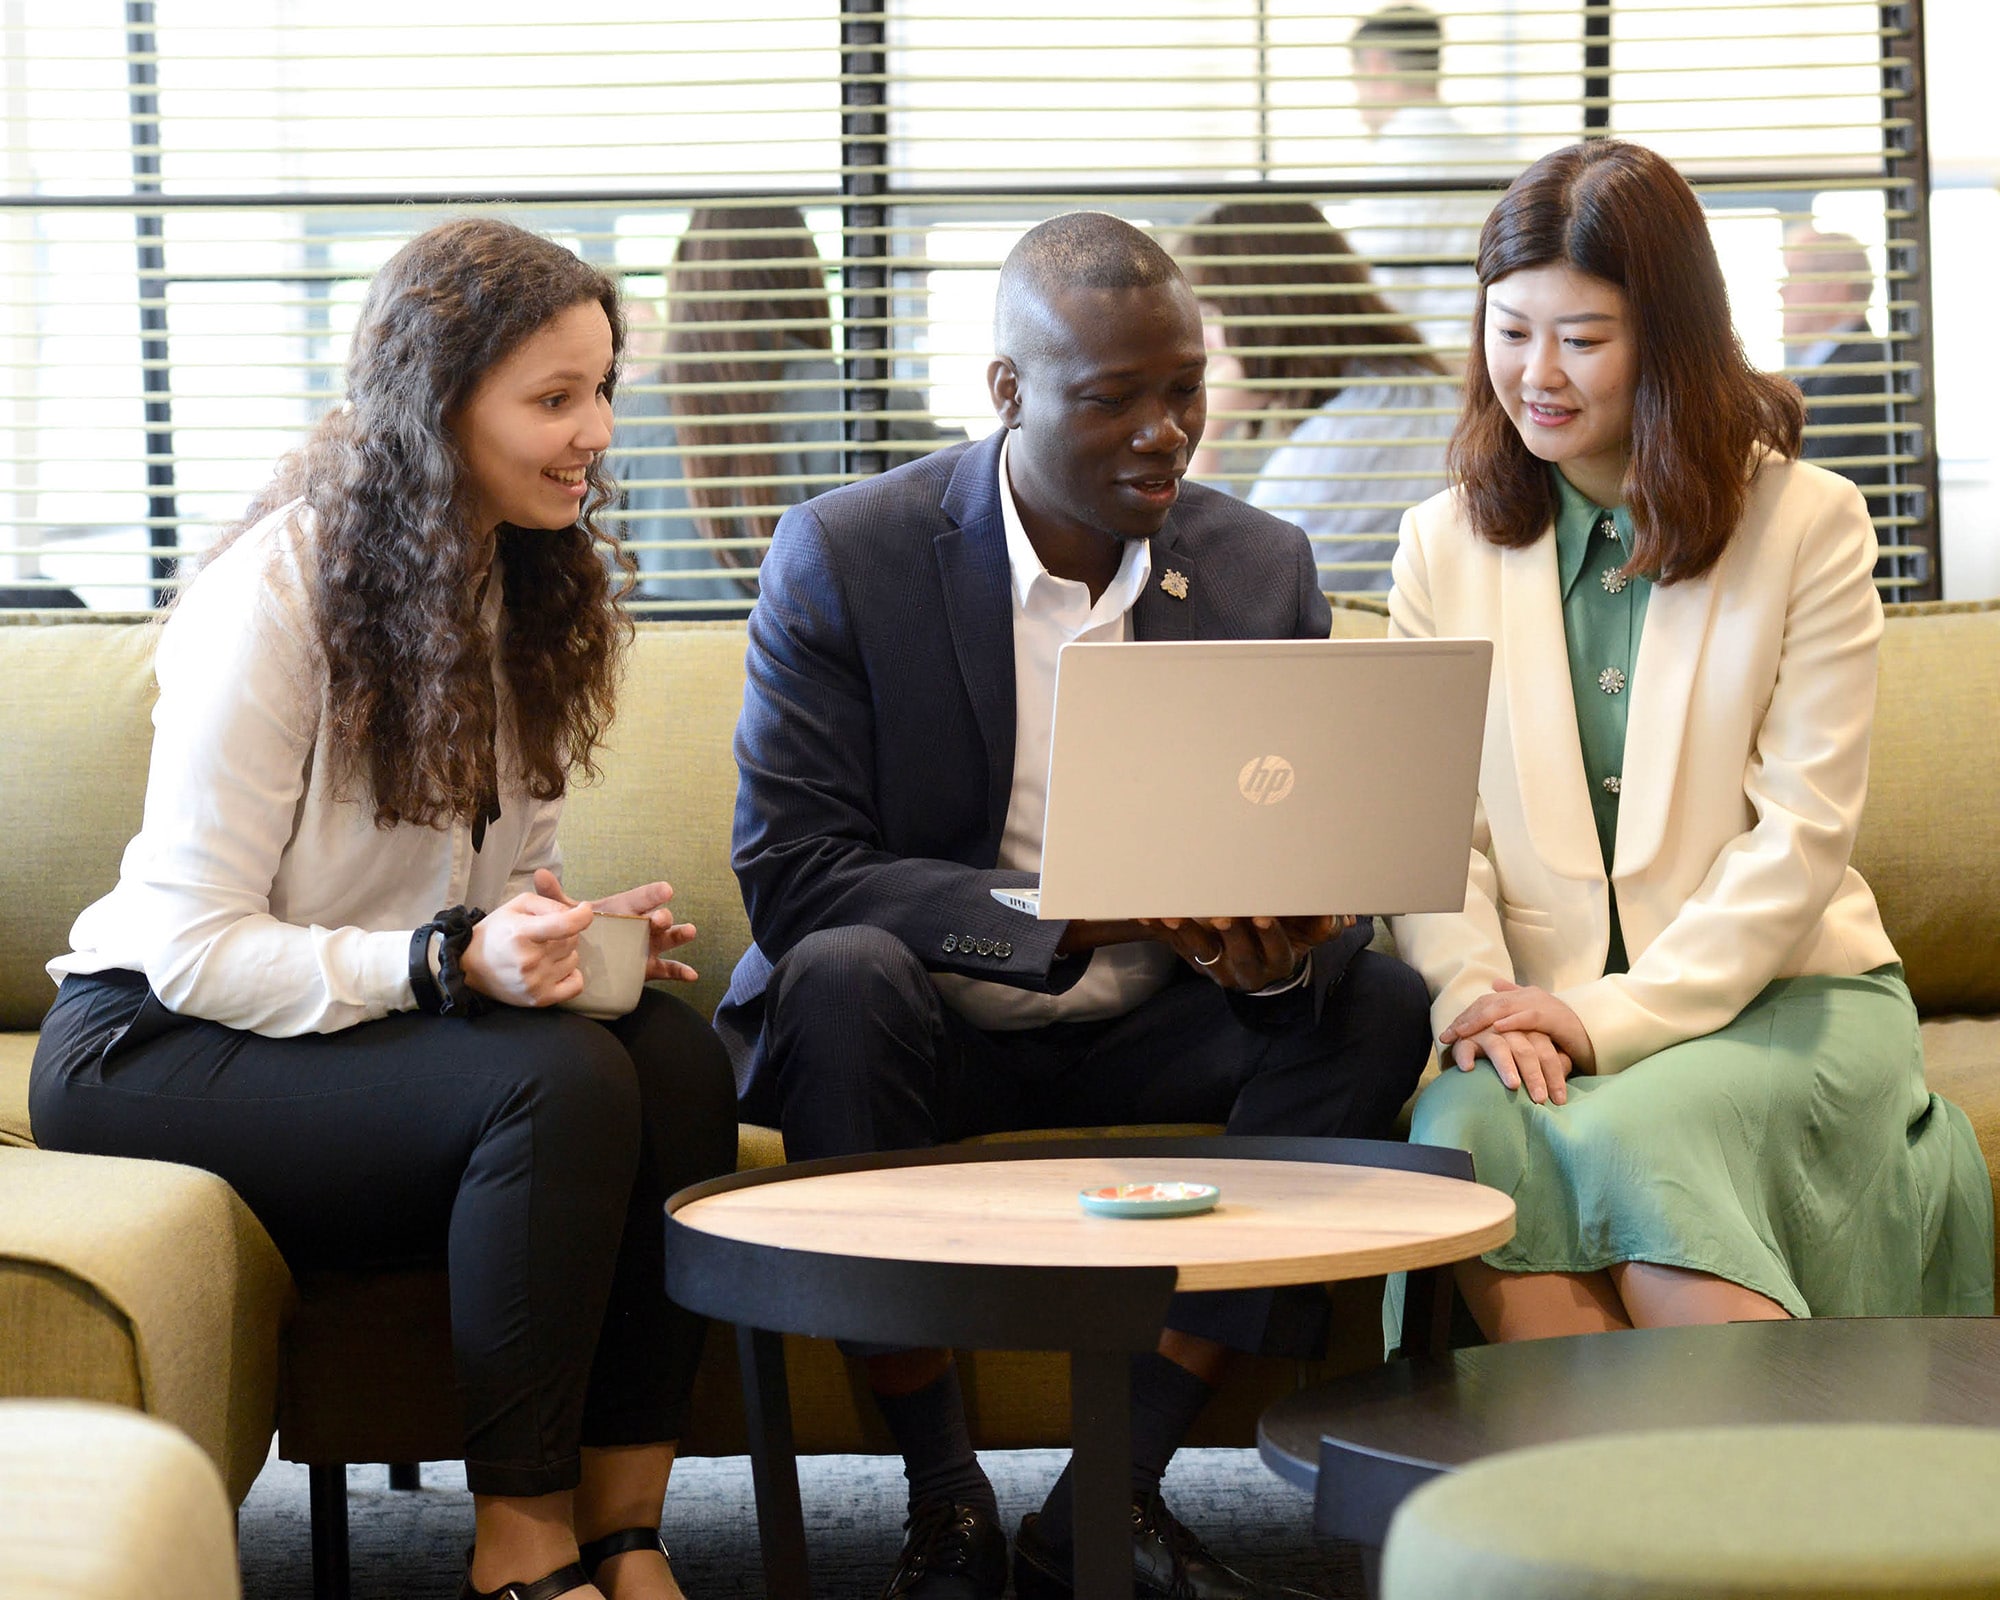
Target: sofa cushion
(76,705)
(1962,1063)
(663,808)
(183,1263)
(98,1502)
(667,797)
(17,1054)
(1359,619)
(1930,837)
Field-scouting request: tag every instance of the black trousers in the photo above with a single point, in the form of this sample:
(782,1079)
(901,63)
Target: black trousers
(531,1152)
(866,1056)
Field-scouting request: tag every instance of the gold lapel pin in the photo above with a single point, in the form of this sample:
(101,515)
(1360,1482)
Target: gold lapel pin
(1175,583)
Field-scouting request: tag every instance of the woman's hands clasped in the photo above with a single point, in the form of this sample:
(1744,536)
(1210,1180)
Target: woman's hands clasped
(1533,1039)
(523,953)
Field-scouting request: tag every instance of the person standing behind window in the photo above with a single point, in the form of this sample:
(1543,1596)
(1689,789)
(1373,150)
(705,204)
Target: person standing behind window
(1421,244)
(1309,333)
(1675,1030)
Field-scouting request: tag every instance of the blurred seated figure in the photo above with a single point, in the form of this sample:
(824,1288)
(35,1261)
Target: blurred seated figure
(754,392)
(1294,325)
(1826,330)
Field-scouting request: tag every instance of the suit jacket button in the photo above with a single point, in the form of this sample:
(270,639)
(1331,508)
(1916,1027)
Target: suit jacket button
(950,942)
(984,947)
(1003,949)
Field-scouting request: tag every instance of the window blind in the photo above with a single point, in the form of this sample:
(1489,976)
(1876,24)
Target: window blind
(807,205)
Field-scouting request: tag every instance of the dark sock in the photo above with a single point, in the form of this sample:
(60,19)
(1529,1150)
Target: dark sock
(1166,1398)
(929,1428)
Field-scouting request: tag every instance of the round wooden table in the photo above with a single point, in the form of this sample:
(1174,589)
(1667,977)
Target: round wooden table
(1362,1443)
(987,1247)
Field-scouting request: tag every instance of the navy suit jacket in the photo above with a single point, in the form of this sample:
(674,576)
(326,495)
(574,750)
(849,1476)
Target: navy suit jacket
(1820,385)
(876,746)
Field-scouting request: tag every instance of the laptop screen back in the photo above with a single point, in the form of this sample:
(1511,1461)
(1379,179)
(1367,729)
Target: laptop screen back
(1263,778)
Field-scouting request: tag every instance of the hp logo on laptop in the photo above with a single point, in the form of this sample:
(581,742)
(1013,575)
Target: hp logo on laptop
(1265,780)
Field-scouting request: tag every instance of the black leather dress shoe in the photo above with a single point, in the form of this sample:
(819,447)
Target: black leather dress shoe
(950,1552)
(1168,1563)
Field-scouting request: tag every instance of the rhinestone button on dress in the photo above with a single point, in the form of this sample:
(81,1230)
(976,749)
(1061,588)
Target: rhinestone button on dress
(1613,580)
(1611,680)
(1611,784)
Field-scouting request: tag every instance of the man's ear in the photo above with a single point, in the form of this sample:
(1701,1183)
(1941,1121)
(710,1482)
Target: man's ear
(1003,384)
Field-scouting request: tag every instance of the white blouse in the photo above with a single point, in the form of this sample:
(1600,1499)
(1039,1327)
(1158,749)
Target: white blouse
(252,896)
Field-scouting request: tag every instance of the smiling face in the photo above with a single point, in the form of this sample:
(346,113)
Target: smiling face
(1106,412)
(1562,353)
(535,421)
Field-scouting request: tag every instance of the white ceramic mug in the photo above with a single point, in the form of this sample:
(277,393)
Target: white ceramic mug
(611,953)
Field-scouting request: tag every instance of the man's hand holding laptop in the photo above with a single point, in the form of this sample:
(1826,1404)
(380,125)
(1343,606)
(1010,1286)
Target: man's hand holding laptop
(1243,953)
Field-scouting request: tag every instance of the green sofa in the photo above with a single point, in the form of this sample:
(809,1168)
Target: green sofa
(159,1291)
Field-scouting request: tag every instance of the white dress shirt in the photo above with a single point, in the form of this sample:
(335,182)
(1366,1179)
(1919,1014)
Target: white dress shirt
(1425,141)
(1049,612)
(253,895)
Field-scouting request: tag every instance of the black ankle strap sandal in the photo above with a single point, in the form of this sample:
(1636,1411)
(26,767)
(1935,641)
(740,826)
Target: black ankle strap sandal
(561,1581)
(598,1551)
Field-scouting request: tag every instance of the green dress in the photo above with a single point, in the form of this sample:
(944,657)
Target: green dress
(1795,1151)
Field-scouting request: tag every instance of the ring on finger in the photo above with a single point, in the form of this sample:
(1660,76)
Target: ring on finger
(1211,961)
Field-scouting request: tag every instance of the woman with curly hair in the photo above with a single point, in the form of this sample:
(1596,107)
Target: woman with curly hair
(371,701)
(1681,1039)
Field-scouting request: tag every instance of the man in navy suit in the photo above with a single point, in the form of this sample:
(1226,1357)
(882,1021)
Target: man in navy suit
(894,754)
(1832,312)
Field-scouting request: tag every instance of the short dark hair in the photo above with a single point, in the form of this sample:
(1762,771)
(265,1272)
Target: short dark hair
(1411,34)
(1077,250)
(1620,213)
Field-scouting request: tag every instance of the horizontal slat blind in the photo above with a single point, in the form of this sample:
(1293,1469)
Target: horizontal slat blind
(808,206)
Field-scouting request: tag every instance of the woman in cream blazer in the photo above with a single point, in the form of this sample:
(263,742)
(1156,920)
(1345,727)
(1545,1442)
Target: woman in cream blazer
(1706,1089)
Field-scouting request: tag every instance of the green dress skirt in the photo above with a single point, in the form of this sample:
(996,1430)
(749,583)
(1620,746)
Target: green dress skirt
(1795,1151)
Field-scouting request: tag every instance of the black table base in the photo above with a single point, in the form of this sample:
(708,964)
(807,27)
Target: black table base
(1103,1316)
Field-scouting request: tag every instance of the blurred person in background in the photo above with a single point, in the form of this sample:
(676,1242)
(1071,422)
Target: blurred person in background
(748,387)
(1309,333)
(1827,333)
(1421,244)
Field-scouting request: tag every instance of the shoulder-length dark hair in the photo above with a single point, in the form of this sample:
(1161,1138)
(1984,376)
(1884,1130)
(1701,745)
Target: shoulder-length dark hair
(1282,260)
(1620,213)
(397,563)
(745,294)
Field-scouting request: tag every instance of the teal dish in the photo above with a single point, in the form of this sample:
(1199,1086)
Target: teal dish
(1150,1199)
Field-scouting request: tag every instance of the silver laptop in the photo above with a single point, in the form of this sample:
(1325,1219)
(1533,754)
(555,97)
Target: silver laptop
(1261,778)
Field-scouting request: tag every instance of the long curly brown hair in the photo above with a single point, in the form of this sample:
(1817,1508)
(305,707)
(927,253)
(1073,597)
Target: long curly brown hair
(399,567)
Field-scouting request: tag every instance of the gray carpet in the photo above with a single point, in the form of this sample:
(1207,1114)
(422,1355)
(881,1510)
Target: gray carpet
(411,1546)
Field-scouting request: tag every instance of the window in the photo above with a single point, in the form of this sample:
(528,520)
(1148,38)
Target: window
(194,198)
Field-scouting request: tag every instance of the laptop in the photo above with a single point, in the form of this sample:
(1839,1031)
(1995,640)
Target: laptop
(1290,777)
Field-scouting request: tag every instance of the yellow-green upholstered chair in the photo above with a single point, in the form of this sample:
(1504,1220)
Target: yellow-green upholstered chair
(100,1503)
(1808,1513)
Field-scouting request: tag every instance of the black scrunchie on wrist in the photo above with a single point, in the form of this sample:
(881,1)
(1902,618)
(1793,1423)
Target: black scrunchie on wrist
(446,994)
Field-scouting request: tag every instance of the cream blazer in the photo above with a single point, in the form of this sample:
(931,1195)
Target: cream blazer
(1746,763)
